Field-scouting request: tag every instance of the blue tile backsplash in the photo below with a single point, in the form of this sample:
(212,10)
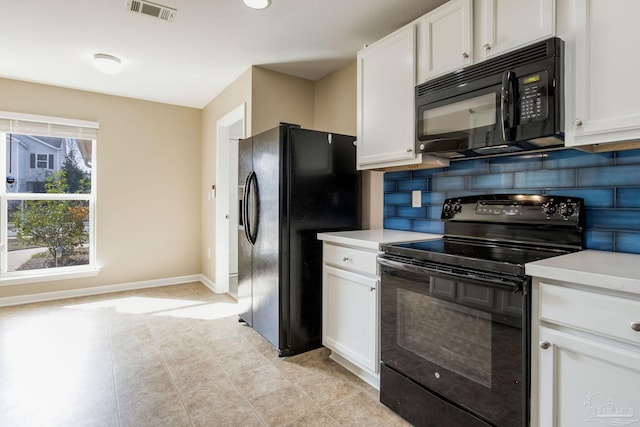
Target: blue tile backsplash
(609,183)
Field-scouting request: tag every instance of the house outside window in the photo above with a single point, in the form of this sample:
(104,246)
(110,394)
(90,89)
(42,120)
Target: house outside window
(47,204)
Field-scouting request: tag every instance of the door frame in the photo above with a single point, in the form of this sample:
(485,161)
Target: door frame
(222,194)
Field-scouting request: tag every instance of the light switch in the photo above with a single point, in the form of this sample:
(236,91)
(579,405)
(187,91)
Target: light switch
(416,198)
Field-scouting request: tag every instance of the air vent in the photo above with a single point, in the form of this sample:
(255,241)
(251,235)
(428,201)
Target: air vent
(152,9)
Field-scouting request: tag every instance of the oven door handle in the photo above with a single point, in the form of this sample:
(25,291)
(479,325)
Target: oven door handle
(515,286)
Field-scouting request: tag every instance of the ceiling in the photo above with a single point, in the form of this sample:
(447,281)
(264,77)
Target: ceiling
(191,59)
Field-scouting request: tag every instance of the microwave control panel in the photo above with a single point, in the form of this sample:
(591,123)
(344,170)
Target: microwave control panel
(533,97)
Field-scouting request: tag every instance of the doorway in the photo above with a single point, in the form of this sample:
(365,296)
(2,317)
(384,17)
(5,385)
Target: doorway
(230,129)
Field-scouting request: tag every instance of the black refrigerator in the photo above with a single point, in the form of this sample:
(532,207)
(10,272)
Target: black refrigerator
(293,183)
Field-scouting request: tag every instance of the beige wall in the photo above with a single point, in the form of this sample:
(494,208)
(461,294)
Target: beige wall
(277,98)
(238,93)
(335,111)
(335,101)
(148,205)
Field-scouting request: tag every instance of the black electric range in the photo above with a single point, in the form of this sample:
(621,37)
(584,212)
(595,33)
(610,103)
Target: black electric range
(456,312)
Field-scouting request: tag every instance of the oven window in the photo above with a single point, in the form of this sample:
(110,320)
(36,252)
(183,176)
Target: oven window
(462,335)
(464,115)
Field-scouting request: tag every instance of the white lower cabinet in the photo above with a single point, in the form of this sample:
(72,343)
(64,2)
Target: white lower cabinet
(584,381)
(350,320)
(586,355)
(350,309)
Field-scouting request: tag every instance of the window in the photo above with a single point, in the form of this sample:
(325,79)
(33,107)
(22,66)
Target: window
(47,203)
(41,161)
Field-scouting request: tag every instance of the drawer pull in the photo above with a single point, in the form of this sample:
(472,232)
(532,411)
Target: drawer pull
(544,345)
(346,259)
(635,326)
(372,288)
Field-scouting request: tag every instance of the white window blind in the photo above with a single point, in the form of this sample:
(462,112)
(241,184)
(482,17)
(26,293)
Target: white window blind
(29,124)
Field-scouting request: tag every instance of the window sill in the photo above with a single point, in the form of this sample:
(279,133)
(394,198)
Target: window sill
(64,273)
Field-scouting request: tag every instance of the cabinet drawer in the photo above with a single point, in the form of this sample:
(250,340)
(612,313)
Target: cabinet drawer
(351,259)
(605,315)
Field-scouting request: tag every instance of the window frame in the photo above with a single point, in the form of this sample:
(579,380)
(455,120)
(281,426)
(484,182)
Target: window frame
(60,128)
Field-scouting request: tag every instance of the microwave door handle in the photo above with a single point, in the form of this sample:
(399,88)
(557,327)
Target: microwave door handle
(507,106)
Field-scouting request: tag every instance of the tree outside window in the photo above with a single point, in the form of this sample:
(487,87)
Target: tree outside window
(58,226)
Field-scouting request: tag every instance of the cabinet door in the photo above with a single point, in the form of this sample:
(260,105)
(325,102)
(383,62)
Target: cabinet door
(386,85)
(444,39)
(606,68)
(350,316)
(508,24)
(584,380)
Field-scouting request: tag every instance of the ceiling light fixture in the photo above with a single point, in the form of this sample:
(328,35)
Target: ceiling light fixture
(257,4)
(107,64)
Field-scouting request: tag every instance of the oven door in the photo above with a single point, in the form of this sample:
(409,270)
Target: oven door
(462,340)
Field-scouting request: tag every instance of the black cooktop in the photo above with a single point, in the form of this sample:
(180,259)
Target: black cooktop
(475,255)
(499,233)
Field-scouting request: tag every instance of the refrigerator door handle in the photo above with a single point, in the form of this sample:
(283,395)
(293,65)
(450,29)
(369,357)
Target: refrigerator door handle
(243,213)
(251,208)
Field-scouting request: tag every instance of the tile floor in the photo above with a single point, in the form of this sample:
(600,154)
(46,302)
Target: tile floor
(168,356)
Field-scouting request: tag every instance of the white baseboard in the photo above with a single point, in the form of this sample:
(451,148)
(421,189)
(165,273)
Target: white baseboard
(210,284)
(73,293)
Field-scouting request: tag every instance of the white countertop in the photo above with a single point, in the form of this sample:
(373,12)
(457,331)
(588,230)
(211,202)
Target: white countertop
(609,270)
(372,239)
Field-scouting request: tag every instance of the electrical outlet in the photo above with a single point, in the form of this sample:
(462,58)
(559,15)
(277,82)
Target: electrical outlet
(416,199)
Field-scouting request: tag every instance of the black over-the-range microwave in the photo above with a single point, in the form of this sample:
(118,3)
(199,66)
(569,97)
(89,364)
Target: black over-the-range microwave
(511,103)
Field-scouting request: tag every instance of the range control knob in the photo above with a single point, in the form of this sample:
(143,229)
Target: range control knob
(566,210)
(447,210)
(457,207)
(549,209)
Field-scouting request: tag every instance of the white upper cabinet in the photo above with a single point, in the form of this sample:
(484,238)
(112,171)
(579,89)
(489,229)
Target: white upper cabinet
(385,98)
(503,25)
(463,32)
(445,39)
(604,107)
